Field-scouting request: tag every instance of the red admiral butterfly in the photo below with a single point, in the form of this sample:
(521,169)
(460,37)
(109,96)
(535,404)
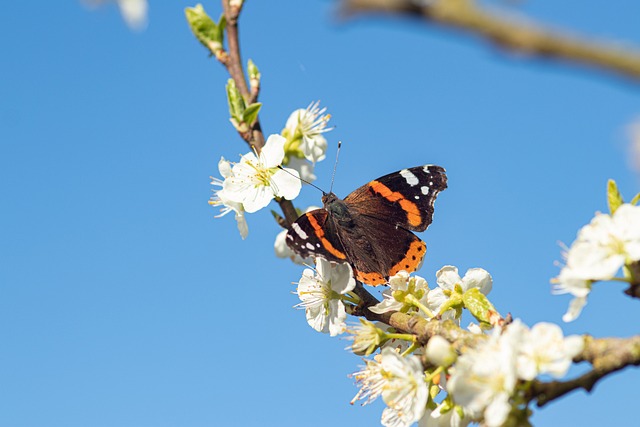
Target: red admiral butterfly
(371,228)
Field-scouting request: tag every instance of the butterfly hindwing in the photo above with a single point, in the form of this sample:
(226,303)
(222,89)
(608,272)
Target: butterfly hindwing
(381,251)
(404,198)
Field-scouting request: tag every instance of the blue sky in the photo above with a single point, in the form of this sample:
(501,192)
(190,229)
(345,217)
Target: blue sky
(125,303)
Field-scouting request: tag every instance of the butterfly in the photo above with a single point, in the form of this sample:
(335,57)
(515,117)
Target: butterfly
(371,228)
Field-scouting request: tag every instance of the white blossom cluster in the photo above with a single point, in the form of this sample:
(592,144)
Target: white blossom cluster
(484,380)
(480,385)
(604,246)
(249,185)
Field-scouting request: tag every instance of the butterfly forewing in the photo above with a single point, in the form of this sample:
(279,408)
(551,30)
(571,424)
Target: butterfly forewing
(314,235)
(404,198)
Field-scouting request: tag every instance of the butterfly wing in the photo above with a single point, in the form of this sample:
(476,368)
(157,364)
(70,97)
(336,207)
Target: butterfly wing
(404,198)
(313,234)
(378,249)
(385,211)
(371,228)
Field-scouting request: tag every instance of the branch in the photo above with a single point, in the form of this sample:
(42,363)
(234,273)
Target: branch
(607,355)
(254,137)
(424,329)
(633,270)
(509,33)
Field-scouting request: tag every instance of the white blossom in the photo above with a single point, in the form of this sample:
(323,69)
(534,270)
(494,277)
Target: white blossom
(371,380)
(454,417)
(227,205)
(256,180)
(366,336)
(401,285)
(406,392)
(134,12)
(545,350)
(484,378)
(606,244)
(450,282)
(440,352)
(401,383)
(320,292)
(308,125)
(602,247)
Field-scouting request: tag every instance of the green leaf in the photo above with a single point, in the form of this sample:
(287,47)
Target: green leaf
(614,199)
(251,113)
(219,34)
(236,102)
(478,305)
(252,70)
(276,215)
(453,303)
(635,200)
(210,34)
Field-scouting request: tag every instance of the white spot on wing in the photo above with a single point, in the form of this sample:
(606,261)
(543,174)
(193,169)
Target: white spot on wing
(424,189)
(409,177)
(299,231)
(309,246)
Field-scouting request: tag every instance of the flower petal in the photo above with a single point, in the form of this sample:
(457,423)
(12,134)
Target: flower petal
(257,198)
(243,228)
(575,308)
(342,280)
(286,183)
(447,277)
(337,318)
(224,166)
(272,154)
(304,168)
(477,278)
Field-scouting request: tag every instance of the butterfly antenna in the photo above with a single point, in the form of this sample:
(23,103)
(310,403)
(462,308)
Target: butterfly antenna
(335,166)
(301,179)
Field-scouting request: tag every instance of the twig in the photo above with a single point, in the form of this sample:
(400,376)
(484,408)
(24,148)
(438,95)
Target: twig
(425,329)
(518,36)
(633,270)
(607,355)
(255,137)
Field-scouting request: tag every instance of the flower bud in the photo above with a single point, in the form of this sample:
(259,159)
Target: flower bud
(440,352)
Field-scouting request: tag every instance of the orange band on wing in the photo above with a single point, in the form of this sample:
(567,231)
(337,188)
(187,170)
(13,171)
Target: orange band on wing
(412,259)
(409,263)
(326,243)
(413,213)
(373,279)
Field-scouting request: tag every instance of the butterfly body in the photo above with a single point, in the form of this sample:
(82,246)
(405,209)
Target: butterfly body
(371,228)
